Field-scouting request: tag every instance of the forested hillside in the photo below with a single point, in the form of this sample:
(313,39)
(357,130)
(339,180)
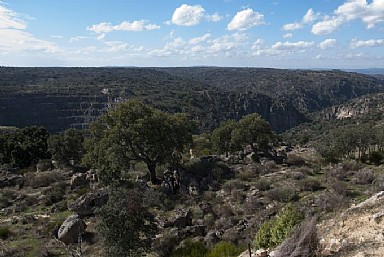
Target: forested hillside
(59,98)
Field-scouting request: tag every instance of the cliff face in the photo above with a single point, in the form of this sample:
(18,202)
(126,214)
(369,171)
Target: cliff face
(59,98)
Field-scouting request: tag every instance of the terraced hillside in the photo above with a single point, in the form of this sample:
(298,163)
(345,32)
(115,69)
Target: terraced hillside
(59,98)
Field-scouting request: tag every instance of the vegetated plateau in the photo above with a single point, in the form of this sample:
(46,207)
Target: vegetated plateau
(200,161)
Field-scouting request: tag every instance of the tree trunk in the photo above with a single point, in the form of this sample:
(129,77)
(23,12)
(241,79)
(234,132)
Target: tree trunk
(152,174)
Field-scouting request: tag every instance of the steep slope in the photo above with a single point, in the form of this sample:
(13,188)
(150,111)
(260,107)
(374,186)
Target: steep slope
(356,232)
(59,98)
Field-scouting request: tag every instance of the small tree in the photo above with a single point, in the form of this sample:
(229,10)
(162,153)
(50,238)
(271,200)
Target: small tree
(67,147)
(222,137)
(126,227)
(133,131)
(254,131)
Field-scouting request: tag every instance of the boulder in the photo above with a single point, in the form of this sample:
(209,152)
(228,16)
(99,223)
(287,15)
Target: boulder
(87,203)
(78,180)
(70,230)
(183,219)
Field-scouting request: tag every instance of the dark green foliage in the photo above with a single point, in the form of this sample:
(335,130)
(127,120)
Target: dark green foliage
(202,145)
(251,130)
(24,146)
(222,137)
(190,248)
(68,147)
(376,158)
(126,227)
(273,232)
(133,131)
(5,233)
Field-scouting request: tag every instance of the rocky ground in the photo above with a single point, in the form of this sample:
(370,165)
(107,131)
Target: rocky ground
(42,213)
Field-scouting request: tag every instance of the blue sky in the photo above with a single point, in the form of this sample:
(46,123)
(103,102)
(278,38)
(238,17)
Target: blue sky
(249,33)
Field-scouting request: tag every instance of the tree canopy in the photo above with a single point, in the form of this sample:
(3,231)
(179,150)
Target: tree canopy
(251,130)
(67,147)
(133,131)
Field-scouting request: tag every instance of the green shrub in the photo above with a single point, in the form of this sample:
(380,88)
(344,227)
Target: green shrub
(263,184)
(224,249)
(190,249)
(310,184)
(273,232)
(4,233)
(283,194)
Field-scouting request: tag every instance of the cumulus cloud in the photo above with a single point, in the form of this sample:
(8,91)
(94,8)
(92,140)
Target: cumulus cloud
(367,43)
(288,35)
(328,43)
(327,26)
(369,13)
(140,25)
(309,17)
(14,38)
(246,19)
(190,15)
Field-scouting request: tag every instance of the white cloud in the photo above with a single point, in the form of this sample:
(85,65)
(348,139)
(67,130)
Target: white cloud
(198,40)
(288,35)
(257,45)
(214,17)
(9,20)
(292,45)
(13,38)
(246,19)
(140,25)
(228,42)
(115,46)
(293,26)
(327,26)
(309,17)
(188,15)
(370,14)
(328,43)
(367,43)
(284,48)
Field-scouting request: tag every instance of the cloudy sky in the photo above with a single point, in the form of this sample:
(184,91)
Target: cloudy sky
(252,33)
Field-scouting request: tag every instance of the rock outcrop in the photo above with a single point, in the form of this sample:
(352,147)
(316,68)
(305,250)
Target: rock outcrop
(70,230)
(87,203)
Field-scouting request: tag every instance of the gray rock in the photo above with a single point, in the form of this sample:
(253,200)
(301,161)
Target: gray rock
(87,203)
(70,230)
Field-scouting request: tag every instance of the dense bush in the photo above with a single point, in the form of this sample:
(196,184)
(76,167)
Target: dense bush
(263,184)
(273,232)
(310,184)
(224,249)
